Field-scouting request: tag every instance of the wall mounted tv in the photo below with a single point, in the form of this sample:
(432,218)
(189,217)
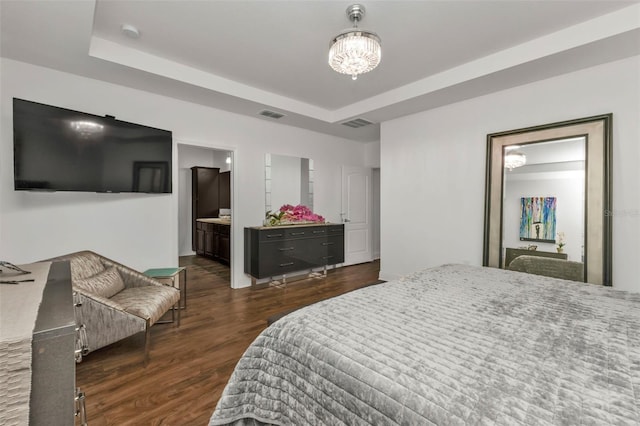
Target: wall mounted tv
(57,149)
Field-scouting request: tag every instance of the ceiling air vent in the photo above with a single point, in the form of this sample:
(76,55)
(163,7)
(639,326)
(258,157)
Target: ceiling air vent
(271,114)
(358,122)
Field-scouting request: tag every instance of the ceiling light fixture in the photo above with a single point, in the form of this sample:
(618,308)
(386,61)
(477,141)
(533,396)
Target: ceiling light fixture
(355,51)
(514,159)
(130,31)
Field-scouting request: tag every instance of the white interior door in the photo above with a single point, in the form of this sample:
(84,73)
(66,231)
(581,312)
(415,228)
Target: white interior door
(356,215)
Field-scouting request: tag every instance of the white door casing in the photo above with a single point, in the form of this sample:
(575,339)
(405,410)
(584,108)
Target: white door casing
(357,206)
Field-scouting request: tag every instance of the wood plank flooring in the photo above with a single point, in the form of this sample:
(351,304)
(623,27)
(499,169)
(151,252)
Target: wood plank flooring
(190,365)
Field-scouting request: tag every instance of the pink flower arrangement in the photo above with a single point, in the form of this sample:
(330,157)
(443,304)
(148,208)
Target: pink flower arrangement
(299,213)
(293,214)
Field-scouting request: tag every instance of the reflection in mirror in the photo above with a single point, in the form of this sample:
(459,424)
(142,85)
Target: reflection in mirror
(288,180)
(543,204)
(559,182)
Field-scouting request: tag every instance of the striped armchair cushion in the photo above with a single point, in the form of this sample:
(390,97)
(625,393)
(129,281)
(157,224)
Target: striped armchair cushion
(106,283)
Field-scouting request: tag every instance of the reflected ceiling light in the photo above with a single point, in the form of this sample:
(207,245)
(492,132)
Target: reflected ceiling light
(228,160)
(513,159)
(86,127)
(355,51)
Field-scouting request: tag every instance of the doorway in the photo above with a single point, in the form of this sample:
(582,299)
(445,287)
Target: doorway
(199,156)
(361,213)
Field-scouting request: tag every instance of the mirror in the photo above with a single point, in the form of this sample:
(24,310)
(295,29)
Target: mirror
(543,204)
(288,180)
(560,194)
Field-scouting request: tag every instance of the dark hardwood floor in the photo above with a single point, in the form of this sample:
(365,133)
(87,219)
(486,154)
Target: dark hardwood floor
(190,365)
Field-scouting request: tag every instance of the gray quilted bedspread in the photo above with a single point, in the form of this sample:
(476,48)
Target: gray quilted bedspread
(453,345)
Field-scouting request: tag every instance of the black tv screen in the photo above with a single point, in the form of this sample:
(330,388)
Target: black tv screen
(57,149)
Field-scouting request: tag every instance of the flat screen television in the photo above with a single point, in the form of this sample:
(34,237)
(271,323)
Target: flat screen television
(58,149)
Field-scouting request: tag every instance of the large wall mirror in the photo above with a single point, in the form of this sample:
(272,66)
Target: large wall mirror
(288,180)
(548,189)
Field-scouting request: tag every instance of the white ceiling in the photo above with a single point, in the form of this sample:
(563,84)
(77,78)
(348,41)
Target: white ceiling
(246,56)
(563,154)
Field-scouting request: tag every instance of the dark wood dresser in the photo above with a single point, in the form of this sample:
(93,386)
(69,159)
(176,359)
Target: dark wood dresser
(280,250)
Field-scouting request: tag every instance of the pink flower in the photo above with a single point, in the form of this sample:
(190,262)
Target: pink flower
(299,213)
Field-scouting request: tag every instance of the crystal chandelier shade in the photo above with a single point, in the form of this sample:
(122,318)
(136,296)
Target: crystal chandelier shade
(355,51)
(514,159)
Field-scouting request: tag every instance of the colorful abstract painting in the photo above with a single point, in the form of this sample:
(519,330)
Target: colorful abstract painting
(538,219)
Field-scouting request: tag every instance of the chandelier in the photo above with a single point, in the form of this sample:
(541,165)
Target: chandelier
(514,159)
(355,51)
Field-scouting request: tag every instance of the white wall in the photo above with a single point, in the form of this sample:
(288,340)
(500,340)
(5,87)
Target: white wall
(433,167)
(372,154)
(142,230)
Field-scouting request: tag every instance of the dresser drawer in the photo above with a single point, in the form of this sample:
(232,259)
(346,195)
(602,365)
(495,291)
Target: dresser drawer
(299,232)
(281,257)
(335,229)
(325,251)
(293,232)
(319,231)
(335,250)
(271,234)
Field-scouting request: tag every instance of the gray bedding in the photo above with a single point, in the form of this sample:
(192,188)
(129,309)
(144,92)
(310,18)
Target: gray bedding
(453,345)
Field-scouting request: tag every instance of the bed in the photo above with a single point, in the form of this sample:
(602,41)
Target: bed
(452,345)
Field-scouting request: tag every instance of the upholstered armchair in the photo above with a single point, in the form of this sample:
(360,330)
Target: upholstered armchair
(549,267)
(116,301)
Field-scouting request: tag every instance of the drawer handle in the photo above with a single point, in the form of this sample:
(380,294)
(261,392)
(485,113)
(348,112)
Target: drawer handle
(297,233)
(318,232)
(327,244)
(286,248)
(273,235)
(327,257)
(282,265)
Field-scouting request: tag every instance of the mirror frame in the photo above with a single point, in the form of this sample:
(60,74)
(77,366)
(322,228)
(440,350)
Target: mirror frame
(597,131)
